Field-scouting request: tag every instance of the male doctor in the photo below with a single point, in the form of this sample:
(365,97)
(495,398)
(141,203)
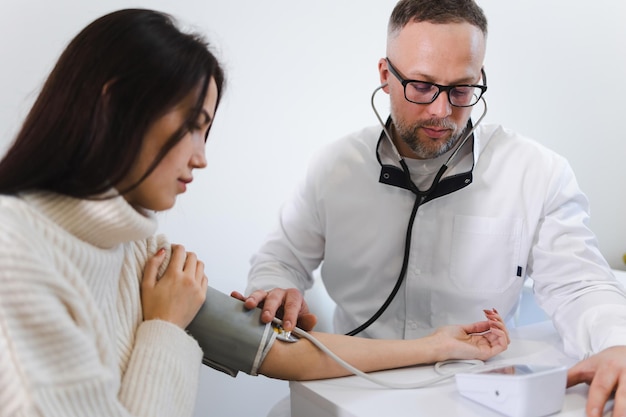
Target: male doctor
(485,209)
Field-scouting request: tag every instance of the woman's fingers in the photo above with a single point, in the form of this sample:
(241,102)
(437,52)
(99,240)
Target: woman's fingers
(496,321)
(179,293)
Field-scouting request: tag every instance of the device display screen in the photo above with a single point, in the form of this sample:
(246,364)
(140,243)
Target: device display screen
(510,370)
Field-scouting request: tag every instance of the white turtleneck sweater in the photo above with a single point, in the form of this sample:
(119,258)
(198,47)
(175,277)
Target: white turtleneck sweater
(72,338)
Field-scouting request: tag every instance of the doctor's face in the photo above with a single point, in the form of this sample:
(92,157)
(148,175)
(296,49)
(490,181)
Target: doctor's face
(446,54)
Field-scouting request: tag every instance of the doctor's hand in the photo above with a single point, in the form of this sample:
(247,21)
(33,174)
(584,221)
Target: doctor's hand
(481,340)
(287,304)
(605,372)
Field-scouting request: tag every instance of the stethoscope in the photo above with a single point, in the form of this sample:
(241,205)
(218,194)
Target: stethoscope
(420,197)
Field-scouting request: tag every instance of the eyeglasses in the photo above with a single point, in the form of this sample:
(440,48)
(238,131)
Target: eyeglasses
(423,92)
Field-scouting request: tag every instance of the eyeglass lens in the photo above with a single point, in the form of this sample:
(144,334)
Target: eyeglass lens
(423,93)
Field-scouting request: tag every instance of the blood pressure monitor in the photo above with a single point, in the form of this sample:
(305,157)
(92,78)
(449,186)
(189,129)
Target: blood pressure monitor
(516,390)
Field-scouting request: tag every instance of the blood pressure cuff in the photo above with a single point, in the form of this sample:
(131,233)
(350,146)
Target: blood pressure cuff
(232,337)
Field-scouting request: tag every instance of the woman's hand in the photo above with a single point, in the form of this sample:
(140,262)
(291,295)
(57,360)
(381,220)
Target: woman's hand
(178,295)
(480,340)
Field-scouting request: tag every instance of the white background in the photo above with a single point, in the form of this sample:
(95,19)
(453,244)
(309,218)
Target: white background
(300,74)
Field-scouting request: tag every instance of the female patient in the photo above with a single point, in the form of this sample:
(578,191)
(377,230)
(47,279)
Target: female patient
(93,305)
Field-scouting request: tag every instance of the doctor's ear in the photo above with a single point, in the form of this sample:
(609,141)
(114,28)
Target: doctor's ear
(383,72)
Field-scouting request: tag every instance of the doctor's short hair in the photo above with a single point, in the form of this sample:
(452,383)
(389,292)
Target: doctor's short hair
(116,77)
(436,11)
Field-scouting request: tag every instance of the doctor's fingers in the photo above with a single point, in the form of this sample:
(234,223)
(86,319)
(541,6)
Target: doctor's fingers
(254,300)
(258,298)
(600,390)
(619,405)
(609,376)
(289,302)
(306,320)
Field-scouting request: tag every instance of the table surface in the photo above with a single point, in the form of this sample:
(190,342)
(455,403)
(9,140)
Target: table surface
(353,396)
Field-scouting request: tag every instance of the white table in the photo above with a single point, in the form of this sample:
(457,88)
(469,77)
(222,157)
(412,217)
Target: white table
(356,397)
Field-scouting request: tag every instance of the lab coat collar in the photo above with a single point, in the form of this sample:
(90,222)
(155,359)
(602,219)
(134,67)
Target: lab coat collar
(391,172)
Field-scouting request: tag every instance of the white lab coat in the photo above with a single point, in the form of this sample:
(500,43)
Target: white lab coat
(520,214)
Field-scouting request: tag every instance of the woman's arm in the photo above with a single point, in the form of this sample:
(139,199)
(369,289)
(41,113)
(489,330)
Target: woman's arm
(304,361)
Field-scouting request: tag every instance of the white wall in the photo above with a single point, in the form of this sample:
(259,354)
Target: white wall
(300,74)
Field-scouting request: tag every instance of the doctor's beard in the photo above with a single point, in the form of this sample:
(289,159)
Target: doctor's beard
(423,146)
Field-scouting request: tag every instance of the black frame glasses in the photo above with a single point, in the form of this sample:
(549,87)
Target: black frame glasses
(460,95)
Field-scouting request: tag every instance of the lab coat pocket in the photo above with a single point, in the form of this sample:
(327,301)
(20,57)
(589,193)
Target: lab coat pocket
(485,253)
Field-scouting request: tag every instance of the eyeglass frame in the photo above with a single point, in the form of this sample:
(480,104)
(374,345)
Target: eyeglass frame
(447,88)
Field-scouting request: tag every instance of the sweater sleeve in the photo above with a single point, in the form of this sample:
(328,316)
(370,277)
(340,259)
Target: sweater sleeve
(59,357)
(162,375)
(52,360)
(162,371)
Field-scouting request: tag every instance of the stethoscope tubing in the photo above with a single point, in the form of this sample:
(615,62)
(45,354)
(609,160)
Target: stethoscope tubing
(420,197)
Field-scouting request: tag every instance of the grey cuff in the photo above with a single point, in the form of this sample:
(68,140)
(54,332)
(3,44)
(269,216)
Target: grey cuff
(232,338)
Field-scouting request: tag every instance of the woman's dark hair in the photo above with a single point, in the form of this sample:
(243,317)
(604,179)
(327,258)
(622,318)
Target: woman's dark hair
(114,79)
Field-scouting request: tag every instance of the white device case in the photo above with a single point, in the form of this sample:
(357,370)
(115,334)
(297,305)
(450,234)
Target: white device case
(516,390)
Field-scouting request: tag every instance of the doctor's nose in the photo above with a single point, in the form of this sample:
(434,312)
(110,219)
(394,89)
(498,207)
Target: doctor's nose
(440,107)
